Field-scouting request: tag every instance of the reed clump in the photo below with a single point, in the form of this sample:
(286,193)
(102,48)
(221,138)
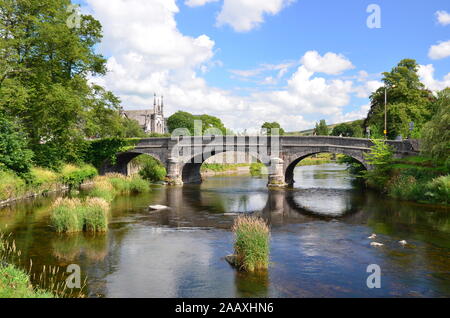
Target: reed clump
(110,185)
(251,247)
(75,215)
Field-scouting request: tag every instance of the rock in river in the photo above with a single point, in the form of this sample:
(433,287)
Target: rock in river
(158,207)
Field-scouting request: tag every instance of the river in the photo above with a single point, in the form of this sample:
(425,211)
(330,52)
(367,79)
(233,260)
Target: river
(319,241)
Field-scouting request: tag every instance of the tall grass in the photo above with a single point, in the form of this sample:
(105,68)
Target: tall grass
(74,215)
(15,283)
(107,187)
(18,278)
(44,180)
(40,181)
(11,186)
(252,243)
(103,188)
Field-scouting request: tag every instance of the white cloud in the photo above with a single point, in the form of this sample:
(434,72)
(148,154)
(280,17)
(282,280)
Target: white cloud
(147,53)
(198,3)
(330,63)
(368,87)
(440,51)
(245,15)
(426,73)
(358,114)
(443,17)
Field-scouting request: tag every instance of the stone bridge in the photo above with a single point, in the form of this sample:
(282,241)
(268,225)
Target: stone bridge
(184,156)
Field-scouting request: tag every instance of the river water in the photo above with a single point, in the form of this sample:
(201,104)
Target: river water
(319,241)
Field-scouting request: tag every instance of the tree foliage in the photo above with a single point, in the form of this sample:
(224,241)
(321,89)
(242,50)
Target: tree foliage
(44,71)
(185,120)
(353,129)
(322,128)
(407,101)
(14,152)
(380,158)
(436,133)
(270,128)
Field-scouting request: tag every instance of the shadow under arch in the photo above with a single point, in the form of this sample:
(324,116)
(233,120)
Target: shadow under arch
(123,160)
(297,158)
(191,169)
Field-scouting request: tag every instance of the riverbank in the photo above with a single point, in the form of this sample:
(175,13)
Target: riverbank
(209,170)
(14,282)
(416,179)
(42,181)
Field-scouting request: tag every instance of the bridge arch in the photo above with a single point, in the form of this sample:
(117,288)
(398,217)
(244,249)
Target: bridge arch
(124,159)
(190,169)
(294,159)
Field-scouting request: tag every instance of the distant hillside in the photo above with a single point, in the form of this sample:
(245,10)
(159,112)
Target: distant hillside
(310,132)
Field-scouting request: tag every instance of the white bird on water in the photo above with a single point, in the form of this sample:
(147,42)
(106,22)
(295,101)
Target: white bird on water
(375,244)
(372,237)
(403,242)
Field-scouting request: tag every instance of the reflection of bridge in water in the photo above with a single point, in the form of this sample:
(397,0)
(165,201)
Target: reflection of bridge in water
(184,156)
(278,206)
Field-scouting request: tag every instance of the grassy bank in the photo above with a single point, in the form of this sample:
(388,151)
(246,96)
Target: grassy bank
(14,282)
(316,160)
(216,167)
(419,178)
(252,243)
(40,181)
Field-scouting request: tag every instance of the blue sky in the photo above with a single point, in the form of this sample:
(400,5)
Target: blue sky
(267,60)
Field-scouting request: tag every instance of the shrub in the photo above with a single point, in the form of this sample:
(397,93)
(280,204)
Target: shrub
(151,169)
(74,176)
(406,188)
(138,185)
(252,243)
(438,190)
(11,185)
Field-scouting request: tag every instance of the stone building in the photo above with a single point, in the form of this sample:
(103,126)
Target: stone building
(151,120)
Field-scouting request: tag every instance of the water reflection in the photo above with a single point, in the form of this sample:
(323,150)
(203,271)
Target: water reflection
(319,244)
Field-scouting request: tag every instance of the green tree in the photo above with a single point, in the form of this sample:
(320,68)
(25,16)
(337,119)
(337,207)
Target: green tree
(344,130)
(44,71)
(14,152)
(181,120)
(186,120)
(380,158)
(322,128)
(270,126)
(436,133)
(408,101)
(211,122)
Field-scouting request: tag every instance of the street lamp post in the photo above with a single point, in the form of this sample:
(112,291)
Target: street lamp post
(385,113)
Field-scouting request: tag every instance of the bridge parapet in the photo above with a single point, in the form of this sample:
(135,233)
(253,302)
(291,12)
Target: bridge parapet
(183,156)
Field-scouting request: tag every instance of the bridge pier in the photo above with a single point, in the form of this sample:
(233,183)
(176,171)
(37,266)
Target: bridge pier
(276,174)
(173,172)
